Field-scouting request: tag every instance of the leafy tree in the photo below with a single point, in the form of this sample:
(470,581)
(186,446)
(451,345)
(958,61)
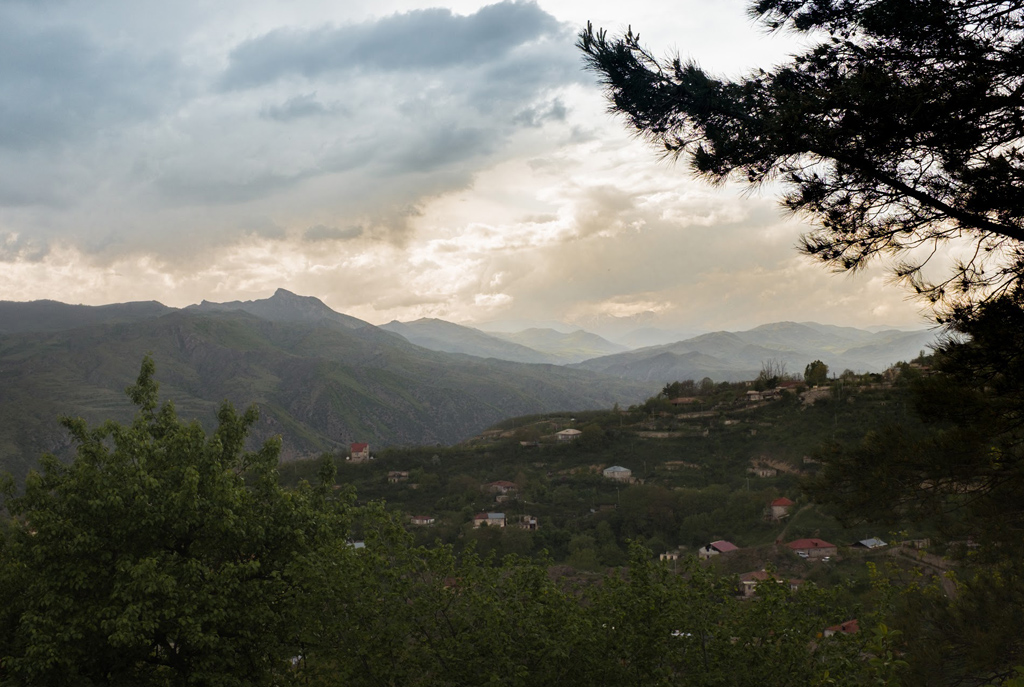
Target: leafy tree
(901,129)
(161,556)
(964,476)
(816,374)
(676,389)
(659,628)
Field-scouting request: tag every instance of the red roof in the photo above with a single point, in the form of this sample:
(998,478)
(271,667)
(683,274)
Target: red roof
(502,483)
(849,627)
(810,544)
(357,448)
(723,546)
(759,575)
(782,502)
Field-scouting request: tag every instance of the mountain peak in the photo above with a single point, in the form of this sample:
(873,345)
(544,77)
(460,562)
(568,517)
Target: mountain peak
(285,306)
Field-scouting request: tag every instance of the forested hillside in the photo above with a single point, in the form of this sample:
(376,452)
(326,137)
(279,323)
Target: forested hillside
(320,383)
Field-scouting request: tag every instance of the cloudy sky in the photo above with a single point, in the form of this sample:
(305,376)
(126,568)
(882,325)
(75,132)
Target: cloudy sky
(398,159)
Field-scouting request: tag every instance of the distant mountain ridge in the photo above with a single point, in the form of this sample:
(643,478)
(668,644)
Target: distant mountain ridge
(439,335)
(737,356)
(53,316)
(320,380)
(534,345)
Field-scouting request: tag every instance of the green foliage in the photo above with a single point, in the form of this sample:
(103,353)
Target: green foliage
(816,374)
(160,556)
(966,472)
(963,474)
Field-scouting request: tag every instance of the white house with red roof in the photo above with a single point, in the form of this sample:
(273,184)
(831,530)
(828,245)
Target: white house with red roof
(812,548)
(850,627)
(715,548)
(780,508)
(359,452)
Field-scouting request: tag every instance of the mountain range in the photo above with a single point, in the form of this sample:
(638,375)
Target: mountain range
(323,379)
(722,356)
(737,356)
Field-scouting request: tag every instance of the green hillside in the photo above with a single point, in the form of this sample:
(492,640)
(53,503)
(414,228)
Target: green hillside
(319,384)
(692,480)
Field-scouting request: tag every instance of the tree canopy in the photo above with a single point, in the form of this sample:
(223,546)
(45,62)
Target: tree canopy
(816,373)
(900,131)
(161,556)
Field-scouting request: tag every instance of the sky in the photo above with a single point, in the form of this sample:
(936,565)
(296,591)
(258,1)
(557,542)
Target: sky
(397,159)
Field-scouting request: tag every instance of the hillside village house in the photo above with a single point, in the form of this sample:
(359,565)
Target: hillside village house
(489,520)
(749,581)
(395,476)
(780,508)
(812,548)
(762,471)
(850,627)
(568,434)
(528,522)
(872,543)
(617,472)
(500,487)
(421,520)
(715,548)
(359,453)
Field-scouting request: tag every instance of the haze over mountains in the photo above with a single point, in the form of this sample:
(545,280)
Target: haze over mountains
(323,379)
(723,356)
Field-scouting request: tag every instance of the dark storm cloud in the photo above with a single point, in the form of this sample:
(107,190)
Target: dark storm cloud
(107,137)
(419,40)
(59,85)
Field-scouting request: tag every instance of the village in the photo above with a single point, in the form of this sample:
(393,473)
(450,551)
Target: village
(715,475)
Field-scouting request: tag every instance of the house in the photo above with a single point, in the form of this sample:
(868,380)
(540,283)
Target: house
(872,543)
(528,522)
(396,476)
(754,396)
(359,453)
(489,520)
(684,400)
(500,487)
(715,548)
(780,508)
(749,581)
(812,548)
(421,520)
(568,434)
(762,471)
(916,543)
(850,627)
(618,472)
(669,556)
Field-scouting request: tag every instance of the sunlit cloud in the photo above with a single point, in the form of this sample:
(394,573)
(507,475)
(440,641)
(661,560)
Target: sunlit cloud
(397,161)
